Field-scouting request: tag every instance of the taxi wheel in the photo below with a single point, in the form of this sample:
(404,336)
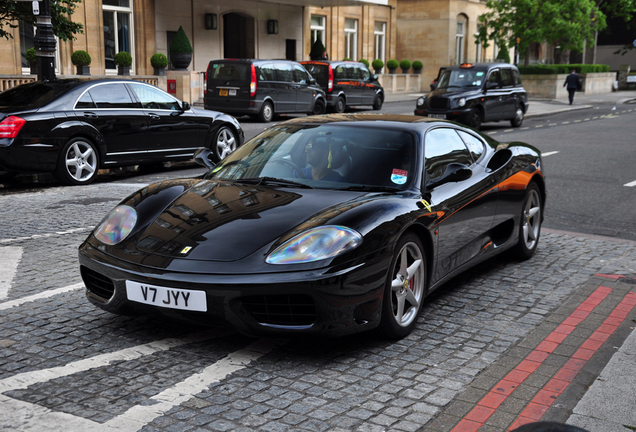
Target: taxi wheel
(405,288)
(267,113)
(516,122)
(339,107)
(475,120)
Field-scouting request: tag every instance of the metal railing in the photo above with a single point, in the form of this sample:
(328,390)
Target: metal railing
(10,81)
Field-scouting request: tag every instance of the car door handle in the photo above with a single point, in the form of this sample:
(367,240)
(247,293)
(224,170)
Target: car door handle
(90,115)
(154,116)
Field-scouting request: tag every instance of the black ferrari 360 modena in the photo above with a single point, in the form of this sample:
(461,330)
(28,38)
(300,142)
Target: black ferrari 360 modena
(330,224)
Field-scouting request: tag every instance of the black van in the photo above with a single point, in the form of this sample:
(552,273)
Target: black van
(347,83)
(262,88)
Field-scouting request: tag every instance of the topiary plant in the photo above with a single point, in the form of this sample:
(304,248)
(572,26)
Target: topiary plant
(392,64)
(377,64)
(317,49)
(365,62)
(123,58)
(405,65)
(180,43)
(417,65)
(81,58)
(31,55)
(159,60)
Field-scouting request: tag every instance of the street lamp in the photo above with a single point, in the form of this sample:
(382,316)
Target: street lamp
(44,42)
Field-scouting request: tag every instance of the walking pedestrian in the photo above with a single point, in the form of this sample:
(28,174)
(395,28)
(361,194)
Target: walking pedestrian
(573,83)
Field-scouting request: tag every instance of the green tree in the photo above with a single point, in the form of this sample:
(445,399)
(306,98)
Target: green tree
(13,11)
(569,24)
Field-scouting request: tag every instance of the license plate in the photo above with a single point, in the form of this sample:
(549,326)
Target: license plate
(222,92)
(439,116)
(227,92)
(173,298)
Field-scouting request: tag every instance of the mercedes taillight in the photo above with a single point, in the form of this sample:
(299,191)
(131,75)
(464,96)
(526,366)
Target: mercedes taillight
(10,127)
(253,82)
(330,82)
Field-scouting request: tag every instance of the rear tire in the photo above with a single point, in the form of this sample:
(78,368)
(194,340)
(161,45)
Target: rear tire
(404,289)
(78,162)
(530,224)
(267,112)
(339,107)
(224,144)
(377,102)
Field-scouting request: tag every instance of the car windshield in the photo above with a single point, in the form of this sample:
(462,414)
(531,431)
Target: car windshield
(329,156)
(462,78)
(31,95)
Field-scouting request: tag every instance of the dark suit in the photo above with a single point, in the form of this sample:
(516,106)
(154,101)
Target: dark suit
(573,83)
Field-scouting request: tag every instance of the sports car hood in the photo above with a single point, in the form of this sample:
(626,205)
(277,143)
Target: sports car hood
(224,221)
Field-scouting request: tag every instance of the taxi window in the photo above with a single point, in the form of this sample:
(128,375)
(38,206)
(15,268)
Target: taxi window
(441,147)
(517,76)
(506,78)
(495,77)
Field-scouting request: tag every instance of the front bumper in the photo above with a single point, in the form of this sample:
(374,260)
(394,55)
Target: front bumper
(306,302)
(459,115)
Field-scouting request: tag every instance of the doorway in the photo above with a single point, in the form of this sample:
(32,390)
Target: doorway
(238,36)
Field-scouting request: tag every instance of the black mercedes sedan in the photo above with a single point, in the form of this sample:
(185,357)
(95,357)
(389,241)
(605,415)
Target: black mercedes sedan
(74,127)
(329,224)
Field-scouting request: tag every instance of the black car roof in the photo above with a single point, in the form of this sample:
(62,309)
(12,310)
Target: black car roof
(480,66)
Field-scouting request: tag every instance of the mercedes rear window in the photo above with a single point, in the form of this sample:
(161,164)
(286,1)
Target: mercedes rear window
(31,96)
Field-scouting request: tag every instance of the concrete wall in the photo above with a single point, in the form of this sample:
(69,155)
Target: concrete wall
(551,86)
(400,83)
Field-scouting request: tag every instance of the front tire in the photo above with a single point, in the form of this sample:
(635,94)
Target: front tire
(319,107)
(530,224)
(377,102)
(267,112)
(78,162)
(475,119)
(405,288)
(225,143)
(518,120)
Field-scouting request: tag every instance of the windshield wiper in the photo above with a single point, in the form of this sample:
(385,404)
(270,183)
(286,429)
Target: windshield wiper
(372,188)
(273,180)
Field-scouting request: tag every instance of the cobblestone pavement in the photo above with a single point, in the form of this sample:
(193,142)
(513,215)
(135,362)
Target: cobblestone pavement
(66,365)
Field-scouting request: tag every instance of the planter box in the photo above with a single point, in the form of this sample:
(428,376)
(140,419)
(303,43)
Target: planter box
(400,83)
(551,86)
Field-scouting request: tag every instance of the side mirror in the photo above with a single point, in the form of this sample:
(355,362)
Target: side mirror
(312,80)
(491,85)
(203,157)
(374,77)
(185,106)
(454,172)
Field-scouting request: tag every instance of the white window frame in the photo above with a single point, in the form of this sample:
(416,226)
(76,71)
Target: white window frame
(319,29)
(27,70)
(380,40)
(351,39)
(478,47)
(129,11)
(459,42)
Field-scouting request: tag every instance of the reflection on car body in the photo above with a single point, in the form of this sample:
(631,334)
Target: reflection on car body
(270,251)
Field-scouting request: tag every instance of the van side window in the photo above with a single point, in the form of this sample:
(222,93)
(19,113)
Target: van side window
(352,72)
(284,72)
(506,78)
(340,72)
(300,75)
(364,73)
(266,72)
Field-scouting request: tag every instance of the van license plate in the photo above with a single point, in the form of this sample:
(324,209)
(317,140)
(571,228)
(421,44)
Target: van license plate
(439,116)
(222,92)
(173,298)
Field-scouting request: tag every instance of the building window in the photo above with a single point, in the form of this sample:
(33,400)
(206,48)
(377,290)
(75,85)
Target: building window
(459,42)
(318,29)
(27,33)
(380,39)
(351,39)
(478,47)
(118,30)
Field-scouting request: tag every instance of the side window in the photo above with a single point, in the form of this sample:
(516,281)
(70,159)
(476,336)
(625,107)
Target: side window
(506,78)
(352,72)
(300,75)
(442,147)
(340,72)
(494,77)
(266,72)
(85,102)
(284,72)
(112,96)
(517,76)
(364,73)
(154,98)
(474,144)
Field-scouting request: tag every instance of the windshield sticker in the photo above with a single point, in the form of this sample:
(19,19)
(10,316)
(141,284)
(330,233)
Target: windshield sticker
(477,83)
(399,176)
(480,74)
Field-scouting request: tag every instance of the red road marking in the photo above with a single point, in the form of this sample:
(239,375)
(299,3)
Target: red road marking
(508,384)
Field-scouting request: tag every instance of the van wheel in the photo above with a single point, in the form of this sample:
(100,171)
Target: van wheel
(319,107)
(339,107)
(267,113)
(377,102)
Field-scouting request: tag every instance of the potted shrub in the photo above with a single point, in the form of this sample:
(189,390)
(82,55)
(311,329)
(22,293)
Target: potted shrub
(123,60)
(159,62)
(365,62)
(405,65)
(180,50)
(318,51)
(417,66)
(82,61)
(32,57)
(377,65)
(392,65)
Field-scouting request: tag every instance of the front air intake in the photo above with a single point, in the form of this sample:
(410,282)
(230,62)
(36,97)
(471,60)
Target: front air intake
(283,310)
(97,284)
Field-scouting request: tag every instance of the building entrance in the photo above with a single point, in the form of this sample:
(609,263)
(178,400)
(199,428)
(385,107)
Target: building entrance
(238,36)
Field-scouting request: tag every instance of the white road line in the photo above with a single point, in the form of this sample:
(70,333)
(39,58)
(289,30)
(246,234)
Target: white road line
(630,184)
(37,236)
(42,295)
(549,153)
(11,256)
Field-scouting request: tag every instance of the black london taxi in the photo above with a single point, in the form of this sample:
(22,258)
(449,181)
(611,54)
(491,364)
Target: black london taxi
(347,84)
(476,93)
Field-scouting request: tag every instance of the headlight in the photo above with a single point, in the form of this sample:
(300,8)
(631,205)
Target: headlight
(421,101)
(116,225)
(461,102)
(316,244)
